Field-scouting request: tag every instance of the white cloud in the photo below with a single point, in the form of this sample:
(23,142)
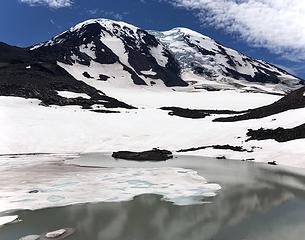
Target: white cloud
(278,25)
(108,14)
(49,3)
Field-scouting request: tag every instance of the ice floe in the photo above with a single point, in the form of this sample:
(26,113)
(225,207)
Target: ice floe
(56,233)
(8,219)
(30,237)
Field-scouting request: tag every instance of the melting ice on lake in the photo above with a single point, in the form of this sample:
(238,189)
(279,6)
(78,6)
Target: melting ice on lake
(81,185)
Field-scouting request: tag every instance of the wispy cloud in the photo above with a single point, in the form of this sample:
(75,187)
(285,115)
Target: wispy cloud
(93,11)
(278,25)
(49,3)
(108,14)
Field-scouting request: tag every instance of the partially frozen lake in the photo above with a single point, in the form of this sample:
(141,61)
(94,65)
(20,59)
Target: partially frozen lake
(184,198)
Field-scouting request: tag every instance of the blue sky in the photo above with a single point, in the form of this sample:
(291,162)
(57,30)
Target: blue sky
(279,40)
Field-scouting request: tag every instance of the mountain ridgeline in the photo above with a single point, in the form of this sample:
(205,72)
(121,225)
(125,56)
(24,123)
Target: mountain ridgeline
(107,42)
(103,51)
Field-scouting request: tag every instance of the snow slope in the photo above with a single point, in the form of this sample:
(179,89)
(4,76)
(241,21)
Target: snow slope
(71,129)
(125,55)
(102,50)
(206,63)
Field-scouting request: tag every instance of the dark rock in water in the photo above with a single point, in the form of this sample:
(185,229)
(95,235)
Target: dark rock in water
(221,157)
(151,155)
(272,163)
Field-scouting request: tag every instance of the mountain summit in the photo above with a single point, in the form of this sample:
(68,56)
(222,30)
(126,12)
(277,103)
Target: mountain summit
(207,63)
(101,53)
(102,49)
(123,54)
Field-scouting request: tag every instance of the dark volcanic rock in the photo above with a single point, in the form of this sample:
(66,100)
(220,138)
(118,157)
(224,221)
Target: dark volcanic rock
(87,75)
(202,50)
(223,147)
(232,148)
(11,54)
(195,113)
(293,100)
(151,155)
(279,134)
(185,112)
(211,60)
(104,111)
(272,163)
(67,44)
(103,77)
(34,191)
(42,80)
(137,46)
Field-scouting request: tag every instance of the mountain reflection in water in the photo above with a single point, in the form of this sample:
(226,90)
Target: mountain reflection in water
(269,205)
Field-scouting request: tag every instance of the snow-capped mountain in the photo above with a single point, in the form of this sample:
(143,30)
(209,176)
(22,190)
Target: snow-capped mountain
(113,51)
(162,86)
(206,63)
(124,55)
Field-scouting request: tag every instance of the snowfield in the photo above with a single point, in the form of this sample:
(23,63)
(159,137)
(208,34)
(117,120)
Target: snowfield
(103,86)
(114,64)
(28,127)
(215,62)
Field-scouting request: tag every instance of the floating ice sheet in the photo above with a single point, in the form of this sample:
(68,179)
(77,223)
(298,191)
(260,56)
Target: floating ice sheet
(52,184)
